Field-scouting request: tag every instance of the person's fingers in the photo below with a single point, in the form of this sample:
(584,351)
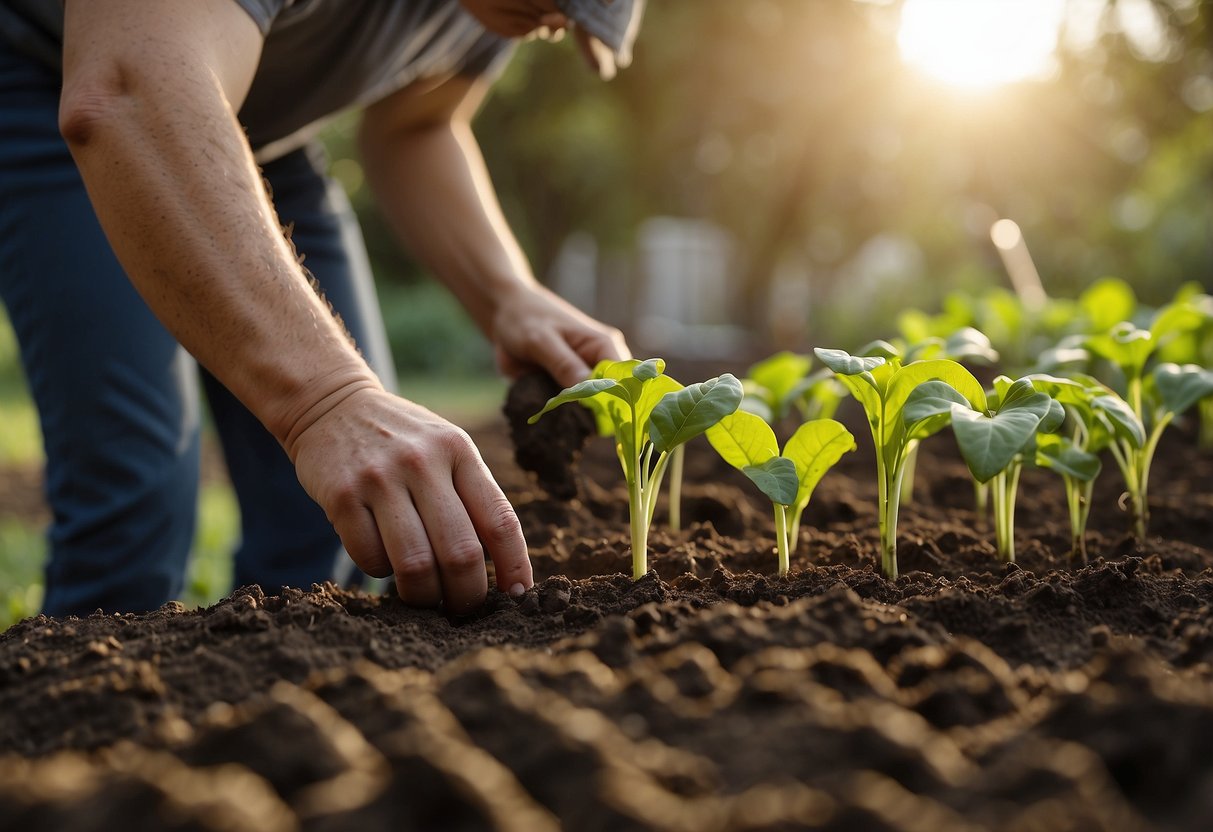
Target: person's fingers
(356,527)
(561,360)
(456,545)
(585,47)
(496,524)
(409,549)
(595,345)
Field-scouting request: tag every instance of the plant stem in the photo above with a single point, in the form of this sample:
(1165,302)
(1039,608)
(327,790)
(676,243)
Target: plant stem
(909,467)
(638,513)
(1078,499)
(1205,437)
(1005,485)
(640,529)
(676,489)
(653,488)
(794,529)
(981,502)
(889,486)
(781,538)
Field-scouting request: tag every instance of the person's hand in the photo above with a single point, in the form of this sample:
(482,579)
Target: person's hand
(534,327)
(410,496)
(517,18)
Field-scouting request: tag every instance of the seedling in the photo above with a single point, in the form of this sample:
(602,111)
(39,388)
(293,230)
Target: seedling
(881,386)
(747,443)
(1098,418)
(650,415)
(964,345)
(1156,397)
(775,385)
(994,437)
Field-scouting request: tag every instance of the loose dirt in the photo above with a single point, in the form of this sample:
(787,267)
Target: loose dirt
(710,695)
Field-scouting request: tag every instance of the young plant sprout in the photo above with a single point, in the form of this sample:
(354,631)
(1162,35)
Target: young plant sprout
(1156,397)
(776,384)
(747,443)
(964,345)
(649,415)
(881,386)
(994,437)
(1098,418)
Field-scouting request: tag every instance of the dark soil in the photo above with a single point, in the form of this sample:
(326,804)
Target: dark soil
(711,695)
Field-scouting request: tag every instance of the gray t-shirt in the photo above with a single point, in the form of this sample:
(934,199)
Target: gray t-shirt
(320,56)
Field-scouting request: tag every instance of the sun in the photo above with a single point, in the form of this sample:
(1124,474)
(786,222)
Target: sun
(980,44)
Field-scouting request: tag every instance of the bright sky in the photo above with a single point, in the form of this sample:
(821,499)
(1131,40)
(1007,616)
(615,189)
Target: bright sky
(980,44)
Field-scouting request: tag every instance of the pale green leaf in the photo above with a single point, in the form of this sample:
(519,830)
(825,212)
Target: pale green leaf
(743,439)
(846,364)
(651,393)
(1059,454)
(583,390)
(649,369)
(685,414)
(930,399)
(936,369)
(779,375)
(1106,303)
(815,448)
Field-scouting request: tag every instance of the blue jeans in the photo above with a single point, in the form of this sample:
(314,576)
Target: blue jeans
(118,397)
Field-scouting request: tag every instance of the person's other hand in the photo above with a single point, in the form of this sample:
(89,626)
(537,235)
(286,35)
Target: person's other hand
(410,496)
(517,18)
(536,328)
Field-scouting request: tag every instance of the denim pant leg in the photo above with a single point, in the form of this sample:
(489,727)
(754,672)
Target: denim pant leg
(116,395)
(286,539)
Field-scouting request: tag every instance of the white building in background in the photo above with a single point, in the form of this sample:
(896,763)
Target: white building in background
(680,294)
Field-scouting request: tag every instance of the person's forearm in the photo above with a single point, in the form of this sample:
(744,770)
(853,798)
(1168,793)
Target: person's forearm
(176,190)
(435,192)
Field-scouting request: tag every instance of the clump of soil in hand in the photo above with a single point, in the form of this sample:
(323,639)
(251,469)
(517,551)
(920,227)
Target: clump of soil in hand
(548,449)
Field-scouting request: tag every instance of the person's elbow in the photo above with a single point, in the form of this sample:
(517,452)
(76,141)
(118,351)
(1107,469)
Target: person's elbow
(90,102)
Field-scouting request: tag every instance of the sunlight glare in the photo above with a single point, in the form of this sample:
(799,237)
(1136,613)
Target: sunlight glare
(980,44)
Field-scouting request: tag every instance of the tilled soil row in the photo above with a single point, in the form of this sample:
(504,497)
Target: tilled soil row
(967,694)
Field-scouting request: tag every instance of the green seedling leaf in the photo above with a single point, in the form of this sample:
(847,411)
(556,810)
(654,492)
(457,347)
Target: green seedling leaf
(814,448)
(583,390)
(846,364)
(931,399)
(969,344)
(648,370)
(1054,419)
(1176,319)
(1180,387)
(989,443)
(1059,454)
(685,414)
(1107,302)
(1122,419)
(775,478)
(1125,346)
(651,394)
(880,348)
(935,369)
(743,439)
(780,374)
